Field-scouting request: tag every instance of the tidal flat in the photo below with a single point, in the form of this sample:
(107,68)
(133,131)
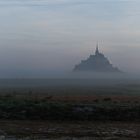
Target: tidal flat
(72,112)
(69,118)
(79,130)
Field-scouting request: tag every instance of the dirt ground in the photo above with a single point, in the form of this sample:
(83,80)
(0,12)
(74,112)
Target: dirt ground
(80,130)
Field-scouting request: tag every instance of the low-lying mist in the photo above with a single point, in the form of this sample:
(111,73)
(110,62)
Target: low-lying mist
(72,79)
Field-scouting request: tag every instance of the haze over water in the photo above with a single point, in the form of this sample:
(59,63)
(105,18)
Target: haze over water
(44,38)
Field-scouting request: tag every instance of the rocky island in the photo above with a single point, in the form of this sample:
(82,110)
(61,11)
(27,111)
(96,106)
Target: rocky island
(96,63)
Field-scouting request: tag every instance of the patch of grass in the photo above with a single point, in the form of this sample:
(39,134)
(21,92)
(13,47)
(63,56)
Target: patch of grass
(44,109)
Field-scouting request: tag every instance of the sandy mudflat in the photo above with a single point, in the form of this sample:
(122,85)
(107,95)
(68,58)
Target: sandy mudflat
(65,130)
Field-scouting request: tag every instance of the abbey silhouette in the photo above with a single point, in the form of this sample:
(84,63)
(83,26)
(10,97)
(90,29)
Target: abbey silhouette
(96,63)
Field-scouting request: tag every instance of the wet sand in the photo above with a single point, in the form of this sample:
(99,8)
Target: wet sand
(66,130)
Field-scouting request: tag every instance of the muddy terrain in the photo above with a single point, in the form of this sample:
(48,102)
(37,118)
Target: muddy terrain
(70,130)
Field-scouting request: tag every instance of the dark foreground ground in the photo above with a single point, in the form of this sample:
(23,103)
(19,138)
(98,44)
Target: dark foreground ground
(69,117)
(85,130)
(70,112)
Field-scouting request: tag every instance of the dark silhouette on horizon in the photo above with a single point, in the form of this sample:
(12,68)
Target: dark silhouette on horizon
(96,63)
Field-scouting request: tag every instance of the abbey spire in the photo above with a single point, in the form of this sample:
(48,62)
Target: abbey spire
(97,50)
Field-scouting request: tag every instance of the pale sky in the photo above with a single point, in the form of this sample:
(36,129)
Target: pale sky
(43,37)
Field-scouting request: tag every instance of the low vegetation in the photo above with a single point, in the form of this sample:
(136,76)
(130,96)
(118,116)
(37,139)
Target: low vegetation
(105,109)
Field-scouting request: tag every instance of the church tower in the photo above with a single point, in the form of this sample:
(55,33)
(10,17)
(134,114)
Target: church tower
(97,50)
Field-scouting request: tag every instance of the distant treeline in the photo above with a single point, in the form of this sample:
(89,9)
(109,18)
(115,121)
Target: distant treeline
(43,109)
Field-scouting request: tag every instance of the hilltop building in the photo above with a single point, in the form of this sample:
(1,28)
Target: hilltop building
(96,63)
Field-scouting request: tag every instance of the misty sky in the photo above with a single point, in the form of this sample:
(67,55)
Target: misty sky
(43,37)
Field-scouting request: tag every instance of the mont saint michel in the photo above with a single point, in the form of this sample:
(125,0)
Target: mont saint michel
(96,63)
